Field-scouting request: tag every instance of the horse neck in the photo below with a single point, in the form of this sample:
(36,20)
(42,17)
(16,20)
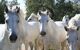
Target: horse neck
(21,17)
(22,22)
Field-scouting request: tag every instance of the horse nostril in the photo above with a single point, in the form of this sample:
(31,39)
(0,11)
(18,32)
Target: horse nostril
(13,37)
(43,33)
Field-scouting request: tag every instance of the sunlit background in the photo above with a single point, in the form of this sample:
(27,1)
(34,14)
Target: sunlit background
(21,2)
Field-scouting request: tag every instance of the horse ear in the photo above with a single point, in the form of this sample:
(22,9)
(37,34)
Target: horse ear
(38,15)
(66,28)
(77,28)
(6,9)
(40,12)
(18,9)
(48,12)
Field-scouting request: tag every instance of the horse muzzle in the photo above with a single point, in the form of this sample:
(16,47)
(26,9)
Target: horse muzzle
(43,33)
(13,38)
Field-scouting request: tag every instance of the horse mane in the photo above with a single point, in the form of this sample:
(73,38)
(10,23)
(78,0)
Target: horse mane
(21,15)
(72,23)
(63,18)
(32,15)
(77,16)
(49,9)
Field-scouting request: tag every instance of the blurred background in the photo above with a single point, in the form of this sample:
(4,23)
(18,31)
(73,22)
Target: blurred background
(58,8)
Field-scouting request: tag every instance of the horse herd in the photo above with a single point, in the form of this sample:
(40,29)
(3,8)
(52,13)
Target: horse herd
(39,32)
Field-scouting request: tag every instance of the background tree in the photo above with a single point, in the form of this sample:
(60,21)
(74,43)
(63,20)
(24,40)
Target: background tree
(2,19)
(58,8)
(62,8)
(35,5)
(14,2)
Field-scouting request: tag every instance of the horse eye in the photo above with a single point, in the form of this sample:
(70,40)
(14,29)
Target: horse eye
(30,19)
(39,20)
(18,21)
(47,20)
(6,21)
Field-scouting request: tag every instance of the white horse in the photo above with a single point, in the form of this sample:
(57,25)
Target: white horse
(74,23)
(64,21)
(33,30)
(11,40)
(61,24)
(30,29)
(52,35)
(22,31)
(4,35)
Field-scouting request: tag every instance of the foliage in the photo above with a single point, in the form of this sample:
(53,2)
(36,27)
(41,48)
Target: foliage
(2,19)
(58,10)
(35,5)
(14,2)
(62,8)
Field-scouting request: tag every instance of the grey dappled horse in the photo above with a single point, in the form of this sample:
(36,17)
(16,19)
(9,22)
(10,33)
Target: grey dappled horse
(74,32)
(72,38)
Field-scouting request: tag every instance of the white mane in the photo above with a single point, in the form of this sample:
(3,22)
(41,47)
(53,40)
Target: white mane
(72,23)
(21,14)
(33,16)
(77,17)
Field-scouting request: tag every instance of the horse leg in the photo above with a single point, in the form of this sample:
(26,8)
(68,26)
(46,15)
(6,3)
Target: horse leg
(39,44)
(20,45)
(26,45)
(64,45)
(58,47)
(45,46)
(78,47)
(72,46)
(31,45)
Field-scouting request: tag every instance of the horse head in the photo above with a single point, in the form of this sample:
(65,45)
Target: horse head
(12,21)
(43,19)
